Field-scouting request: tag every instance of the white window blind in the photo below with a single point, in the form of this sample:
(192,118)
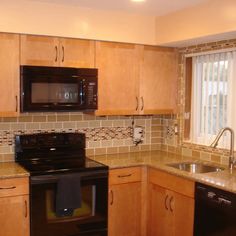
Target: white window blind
(213,96)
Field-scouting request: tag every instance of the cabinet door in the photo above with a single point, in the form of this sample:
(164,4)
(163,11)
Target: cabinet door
(125,210)
(39,50)
(160,221)
(118,81)
(77,53)
(183,213)
(9,74)
(14,216)
(158,80)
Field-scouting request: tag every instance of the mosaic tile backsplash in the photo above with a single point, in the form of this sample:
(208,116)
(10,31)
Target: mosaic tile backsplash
(104,135)
(176,143)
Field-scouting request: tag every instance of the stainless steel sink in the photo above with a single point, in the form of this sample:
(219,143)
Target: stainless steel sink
(193,167)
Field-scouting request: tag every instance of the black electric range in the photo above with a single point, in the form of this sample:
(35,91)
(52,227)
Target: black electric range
(49,157)
(41,154)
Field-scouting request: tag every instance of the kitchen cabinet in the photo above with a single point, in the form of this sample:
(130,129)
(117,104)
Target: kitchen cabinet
(158,80)
(53,51)
(125,192)
(136,79)
(118,73)
(171,205)
(9,74)
(14,205)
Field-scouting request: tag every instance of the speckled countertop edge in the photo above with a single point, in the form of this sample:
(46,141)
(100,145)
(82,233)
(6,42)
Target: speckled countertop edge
(224,179)
(12,170)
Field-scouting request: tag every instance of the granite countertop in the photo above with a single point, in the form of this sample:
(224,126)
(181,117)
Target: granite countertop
(223,179)
(12,170)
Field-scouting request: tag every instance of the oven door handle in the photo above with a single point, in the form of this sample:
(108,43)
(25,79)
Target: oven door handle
(43,179)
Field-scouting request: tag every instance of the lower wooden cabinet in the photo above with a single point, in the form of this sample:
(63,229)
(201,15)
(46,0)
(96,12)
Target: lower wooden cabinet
(125,202)
(170,205)
(170,213)
(14,205)
(149,202)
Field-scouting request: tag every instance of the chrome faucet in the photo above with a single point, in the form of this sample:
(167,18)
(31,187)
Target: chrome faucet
(231,154)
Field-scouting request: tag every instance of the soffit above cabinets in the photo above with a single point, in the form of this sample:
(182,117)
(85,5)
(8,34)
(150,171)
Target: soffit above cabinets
(147,7)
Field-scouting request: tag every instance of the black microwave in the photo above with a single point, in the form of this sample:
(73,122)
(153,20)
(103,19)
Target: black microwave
(58,89)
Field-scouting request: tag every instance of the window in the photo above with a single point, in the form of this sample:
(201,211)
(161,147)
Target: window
(213,102)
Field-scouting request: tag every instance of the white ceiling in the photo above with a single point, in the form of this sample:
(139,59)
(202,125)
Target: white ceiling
(149,7)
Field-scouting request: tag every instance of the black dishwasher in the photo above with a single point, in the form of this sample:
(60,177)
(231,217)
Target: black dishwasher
(215,212)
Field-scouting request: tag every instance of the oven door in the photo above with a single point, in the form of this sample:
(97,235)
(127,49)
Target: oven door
(90,219)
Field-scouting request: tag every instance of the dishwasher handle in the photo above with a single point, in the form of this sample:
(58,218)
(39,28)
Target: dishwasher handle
(214,196)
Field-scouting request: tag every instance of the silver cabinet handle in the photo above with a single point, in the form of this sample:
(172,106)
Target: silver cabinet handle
(26,209)
(142,101)
(136,103)
(63,54)
(112,197)
(123,176)
(171,199)
(166,198)
(16,103)
(56,53)
(7,188)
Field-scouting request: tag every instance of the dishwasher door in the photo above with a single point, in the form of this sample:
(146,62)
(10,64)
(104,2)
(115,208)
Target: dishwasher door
(215,212)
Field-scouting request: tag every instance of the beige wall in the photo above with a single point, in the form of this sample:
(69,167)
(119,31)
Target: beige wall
(209,21)
(33,17)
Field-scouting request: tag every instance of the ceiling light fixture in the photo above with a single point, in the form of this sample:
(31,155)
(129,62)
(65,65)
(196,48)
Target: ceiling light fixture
(138,0)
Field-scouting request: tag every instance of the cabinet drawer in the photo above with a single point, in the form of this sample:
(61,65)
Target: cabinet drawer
(171,182)
(125,175)
(14,187)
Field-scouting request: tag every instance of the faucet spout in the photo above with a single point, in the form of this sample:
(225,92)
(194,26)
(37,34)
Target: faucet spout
(231,154)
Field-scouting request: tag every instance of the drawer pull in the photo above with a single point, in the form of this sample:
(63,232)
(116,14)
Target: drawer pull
(124,176)
(171,199)
(112,198)
(56,50)
(166,198)
(5,188)
(26,209)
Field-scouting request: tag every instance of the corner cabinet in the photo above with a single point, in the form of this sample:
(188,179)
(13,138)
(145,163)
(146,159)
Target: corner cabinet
(9,75)
(136,79)
(53,51)
(125,193)
(14,205)
(170,205)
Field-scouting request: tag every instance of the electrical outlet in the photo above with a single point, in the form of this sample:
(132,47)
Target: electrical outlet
(137,135)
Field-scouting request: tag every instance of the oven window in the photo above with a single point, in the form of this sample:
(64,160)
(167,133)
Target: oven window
(54,93)
(86,210)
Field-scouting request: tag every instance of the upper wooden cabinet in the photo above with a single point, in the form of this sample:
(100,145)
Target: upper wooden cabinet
(9,74)
(136,79)
(118,73)
(53,51)
(158,80)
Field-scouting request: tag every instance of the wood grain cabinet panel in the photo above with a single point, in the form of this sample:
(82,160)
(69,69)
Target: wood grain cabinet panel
(136,79)
(77,53)
(53,51)
(9,75)
(125,202)
(118,68)
(158,80)
(14,205)
(14,216)
(170,213)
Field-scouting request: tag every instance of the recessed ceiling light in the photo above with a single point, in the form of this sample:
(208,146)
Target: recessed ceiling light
(138,0)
